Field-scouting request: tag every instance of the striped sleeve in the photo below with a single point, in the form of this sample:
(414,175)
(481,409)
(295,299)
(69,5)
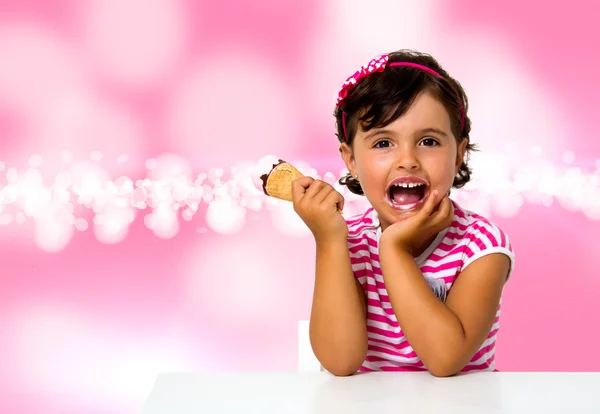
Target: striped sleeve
(487,238)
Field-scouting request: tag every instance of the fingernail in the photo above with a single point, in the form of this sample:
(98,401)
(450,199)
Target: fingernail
(435,192)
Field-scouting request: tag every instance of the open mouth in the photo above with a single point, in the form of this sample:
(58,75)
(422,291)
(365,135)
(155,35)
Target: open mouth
(407,193)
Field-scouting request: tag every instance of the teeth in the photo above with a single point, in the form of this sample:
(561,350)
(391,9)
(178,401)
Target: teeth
(407,185)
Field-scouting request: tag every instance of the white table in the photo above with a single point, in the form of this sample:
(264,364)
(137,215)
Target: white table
(376,393)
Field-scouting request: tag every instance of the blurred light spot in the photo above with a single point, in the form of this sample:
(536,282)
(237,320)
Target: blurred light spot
(81,224)
(220,90)
(568,157)
(150,163)
(66,156)
(114,224)
(263,166)
(12,175)
(5,219)
(20,217)
(507,204)
(503,96)
(96,156)
(501,186)
(2,166)
(53,229)
(136,42)
(163,222)
(38,66)
(215,174)
(169,167)
(329,178)
(547,201)
(407,22)
(225,216)
(122,159)
(288,222)
(138,198)
(35,161)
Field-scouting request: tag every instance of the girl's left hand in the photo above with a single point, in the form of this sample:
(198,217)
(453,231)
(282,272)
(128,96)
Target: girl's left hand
(418,229)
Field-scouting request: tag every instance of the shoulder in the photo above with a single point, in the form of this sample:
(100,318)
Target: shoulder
(480,236)
(478,229)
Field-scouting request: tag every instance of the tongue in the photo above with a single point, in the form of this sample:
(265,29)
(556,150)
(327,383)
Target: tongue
(404,196)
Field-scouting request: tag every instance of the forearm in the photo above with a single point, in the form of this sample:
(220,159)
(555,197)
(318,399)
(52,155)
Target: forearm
(338,331)
(432,329)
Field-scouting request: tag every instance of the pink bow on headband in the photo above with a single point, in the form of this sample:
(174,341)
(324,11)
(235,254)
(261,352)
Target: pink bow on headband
(377,64)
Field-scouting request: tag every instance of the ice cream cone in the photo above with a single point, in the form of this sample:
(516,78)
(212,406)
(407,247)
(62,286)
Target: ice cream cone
(278,183)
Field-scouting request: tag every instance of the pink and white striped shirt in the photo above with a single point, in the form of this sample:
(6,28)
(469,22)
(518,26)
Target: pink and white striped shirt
(468,238)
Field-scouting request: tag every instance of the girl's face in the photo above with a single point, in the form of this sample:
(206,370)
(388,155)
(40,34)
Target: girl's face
(400,164)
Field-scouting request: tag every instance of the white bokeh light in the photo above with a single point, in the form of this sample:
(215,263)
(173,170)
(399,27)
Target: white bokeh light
(168,167)
(225,216)
(136,42)
(502,186)
(288,222)
(112,225)
(568,157)
(53,229)
(163,221)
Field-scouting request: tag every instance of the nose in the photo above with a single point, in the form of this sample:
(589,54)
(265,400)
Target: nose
(407,159)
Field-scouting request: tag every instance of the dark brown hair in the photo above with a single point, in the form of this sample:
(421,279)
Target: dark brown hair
(383,97)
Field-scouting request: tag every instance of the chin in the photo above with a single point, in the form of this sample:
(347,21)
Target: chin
(399,215)
(389,215)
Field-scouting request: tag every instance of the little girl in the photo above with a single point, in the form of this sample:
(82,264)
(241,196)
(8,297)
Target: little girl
(415,282)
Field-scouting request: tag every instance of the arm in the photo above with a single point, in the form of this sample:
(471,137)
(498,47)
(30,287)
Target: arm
(445,336)
(338,329)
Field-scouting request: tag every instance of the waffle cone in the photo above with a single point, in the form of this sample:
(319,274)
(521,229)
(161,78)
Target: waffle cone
(279,181)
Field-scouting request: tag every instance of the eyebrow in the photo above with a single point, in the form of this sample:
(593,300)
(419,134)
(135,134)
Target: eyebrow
(388,132)
(377,133)
(432,130)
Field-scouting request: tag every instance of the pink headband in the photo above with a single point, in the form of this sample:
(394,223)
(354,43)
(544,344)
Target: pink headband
(378,65)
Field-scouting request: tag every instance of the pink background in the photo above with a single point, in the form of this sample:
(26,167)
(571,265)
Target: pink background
(104,283)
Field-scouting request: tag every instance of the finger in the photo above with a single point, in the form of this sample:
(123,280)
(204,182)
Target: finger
(324,191)
(430,204)
(299,188)
(314,189)
(335,199)
(445,214)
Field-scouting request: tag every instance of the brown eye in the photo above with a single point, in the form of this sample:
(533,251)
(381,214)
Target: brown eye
(384,143)
(429,142)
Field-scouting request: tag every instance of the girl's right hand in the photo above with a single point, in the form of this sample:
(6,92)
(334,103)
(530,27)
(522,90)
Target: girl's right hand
(319,206)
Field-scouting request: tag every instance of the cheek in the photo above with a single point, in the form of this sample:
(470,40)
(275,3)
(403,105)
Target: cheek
(443,169)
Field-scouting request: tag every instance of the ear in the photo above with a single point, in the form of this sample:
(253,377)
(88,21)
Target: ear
(460,154)
(348,158)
